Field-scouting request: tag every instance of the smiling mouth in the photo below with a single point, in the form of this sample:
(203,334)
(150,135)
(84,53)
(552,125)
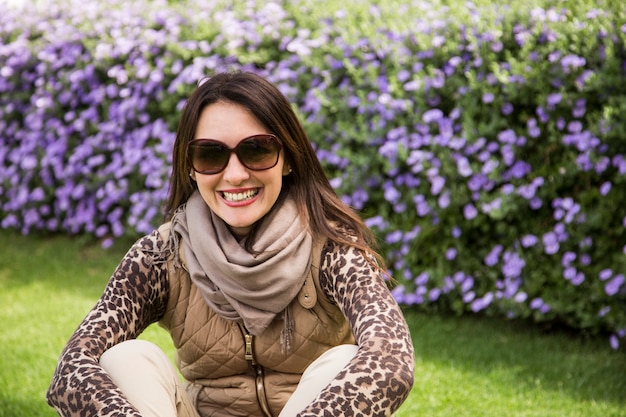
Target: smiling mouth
(238,197)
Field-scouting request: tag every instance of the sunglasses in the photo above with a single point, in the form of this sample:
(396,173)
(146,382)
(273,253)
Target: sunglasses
(257,153)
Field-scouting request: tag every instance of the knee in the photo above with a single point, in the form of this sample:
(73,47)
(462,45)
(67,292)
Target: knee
(130,352)
(332,361)
(342,353)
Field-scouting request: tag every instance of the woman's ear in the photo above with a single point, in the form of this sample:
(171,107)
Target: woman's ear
(192,174)
(286,170)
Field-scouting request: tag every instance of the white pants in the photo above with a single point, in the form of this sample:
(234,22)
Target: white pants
(148,379)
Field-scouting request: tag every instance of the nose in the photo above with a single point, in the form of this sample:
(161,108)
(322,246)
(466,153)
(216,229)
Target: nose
(235,173)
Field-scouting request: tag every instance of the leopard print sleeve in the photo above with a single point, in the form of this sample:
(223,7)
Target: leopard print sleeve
(380,376)
(135,297)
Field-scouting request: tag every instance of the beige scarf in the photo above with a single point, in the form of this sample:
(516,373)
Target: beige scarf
(252,288)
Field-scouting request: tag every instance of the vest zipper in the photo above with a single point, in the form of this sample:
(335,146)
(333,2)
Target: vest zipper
(258,369)
(249,340)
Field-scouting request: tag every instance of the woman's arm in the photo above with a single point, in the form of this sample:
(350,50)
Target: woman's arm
(380,376)
(135,297)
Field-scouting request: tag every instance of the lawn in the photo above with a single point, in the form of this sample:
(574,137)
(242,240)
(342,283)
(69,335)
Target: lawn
(466,366)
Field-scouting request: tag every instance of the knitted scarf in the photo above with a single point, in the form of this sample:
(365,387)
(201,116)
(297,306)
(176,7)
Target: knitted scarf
(252,288)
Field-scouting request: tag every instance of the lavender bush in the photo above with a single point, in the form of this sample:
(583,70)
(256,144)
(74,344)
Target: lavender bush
(484,144)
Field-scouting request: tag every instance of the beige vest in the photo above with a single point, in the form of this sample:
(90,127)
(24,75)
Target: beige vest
(233,373)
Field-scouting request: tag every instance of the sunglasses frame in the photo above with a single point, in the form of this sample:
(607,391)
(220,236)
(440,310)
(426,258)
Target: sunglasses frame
(274,138)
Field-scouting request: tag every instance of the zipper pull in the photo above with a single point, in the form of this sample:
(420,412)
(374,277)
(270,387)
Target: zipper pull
(249,339)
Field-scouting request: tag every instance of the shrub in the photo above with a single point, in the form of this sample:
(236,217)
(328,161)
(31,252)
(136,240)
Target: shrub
(483,144)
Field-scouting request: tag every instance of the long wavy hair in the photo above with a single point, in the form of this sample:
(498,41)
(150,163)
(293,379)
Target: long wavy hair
(307,184)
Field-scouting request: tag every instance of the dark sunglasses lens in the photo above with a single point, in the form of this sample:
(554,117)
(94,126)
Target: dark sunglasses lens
(208,157)
(258,152)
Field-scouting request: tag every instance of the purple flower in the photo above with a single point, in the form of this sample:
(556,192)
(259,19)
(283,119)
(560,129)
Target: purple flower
(575,126)
(569,273)
(458,277)
(467,284)
(482,303)
(488,98)
(376,222)
(491,207)
(28,163)
(469,212)
(507,109)
(434,294)
(520,297)
(437,184)
(536,303)
(421,205)
(605,274)
(585,259)
(553,99)
(568,258)
(542,114)
(613,286)
(512,265)
(518,170)
(394,237)
(602,165)
(578,279)
(468,297)
(551,243)
(533,130)
(448,284)
(432,115)
(604,311)
(526,191)
(605,188)
(451,254)
(619,162)
(463,167)
(529,240)
(444,200)
(413,85)
(336,182)
(508,155)
(399,294)
(507,136)
(614,342)
(535,203)
(488,167)
(391,193)
(422,279)
(580,109)
(359,198)
(570,62)
(493,256)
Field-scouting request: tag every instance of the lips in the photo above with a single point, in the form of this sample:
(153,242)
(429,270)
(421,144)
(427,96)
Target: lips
(237,197)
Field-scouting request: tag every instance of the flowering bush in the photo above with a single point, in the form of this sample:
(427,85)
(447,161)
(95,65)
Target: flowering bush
(484,145)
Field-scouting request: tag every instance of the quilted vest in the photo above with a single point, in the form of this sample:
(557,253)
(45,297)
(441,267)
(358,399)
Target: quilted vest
(232,373)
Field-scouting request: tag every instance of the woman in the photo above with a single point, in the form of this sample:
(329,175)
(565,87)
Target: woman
(266,281)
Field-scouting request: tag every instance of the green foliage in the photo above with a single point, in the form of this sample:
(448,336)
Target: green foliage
(526,143)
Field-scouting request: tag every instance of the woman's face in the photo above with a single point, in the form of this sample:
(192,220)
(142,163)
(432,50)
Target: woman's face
(238,195)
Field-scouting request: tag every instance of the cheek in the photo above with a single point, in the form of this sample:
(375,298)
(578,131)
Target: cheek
(206,187)
(277,180)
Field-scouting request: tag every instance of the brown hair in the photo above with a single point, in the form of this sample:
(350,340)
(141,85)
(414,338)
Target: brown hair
(307,184)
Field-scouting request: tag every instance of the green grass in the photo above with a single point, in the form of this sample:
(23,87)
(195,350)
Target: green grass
(466,366)
(470,366)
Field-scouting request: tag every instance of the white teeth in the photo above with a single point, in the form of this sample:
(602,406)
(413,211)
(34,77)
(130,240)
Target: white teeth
(239,196)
